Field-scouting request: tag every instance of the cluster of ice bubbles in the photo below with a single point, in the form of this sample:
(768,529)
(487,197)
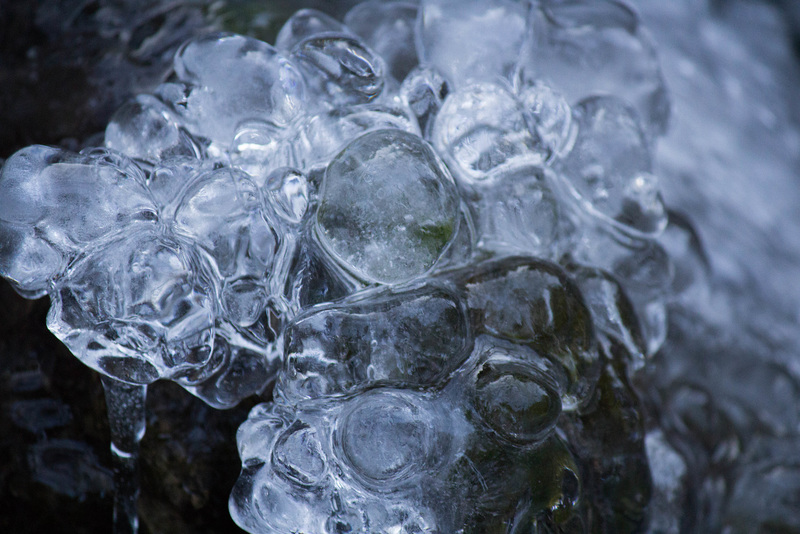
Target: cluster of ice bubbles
(446,252)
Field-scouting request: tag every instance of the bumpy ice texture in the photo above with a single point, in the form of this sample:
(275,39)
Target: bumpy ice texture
(442,248)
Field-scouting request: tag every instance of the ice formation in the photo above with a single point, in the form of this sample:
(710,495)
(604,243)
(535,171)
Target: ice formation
(451,255)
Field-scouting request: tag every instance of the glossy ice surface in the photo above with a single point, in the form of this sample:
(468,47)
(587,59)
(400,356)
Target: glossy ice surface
(438,228)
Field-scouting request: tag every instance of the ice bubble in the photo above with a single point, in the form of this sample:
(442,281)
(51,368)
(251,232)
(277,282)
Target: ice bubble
(386,439)
(609,166)
(643,269)
(535,303)
(221,210)
(388,207)
(232,78)
(481,127)
(342,68)
(515,394)
(411,338)
(550,117)
(612,311)
(388,27)
(56,204)
(145,129)
(139,308)
(516,211)
(589,47)
(469,40)
(241,366)
(424,91)
(319,137)
(287,191)
(27,261)
(260,147)
(314,279)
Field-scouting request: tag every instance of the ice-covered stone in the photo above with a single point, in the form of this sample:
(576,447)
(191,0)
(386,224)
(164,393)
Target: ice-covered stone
(388,207)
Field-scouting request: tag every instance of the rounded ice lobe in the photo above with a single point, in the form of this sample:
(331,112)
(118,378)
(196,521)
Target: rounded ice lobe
(516,400)
(55,204)
(389,207)
(481,127)
(609,166)
(389,29)
(613,312)
(517,211)
(232,78)
(323,135)
(386,439)
(424,91)
(287,191)
(407,338)
(591,47)
(533,302)
(139,308)
(221,211)
(549,115)
(341,67)
(145,129)
(468,40)
(298,455)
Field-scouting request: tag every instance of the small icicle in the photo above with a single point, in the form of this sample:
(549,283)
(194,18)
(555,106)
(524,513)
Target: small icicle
(126,416)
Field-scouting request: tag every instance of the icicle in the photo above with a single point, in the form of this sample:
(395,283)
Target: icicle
(126,417)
